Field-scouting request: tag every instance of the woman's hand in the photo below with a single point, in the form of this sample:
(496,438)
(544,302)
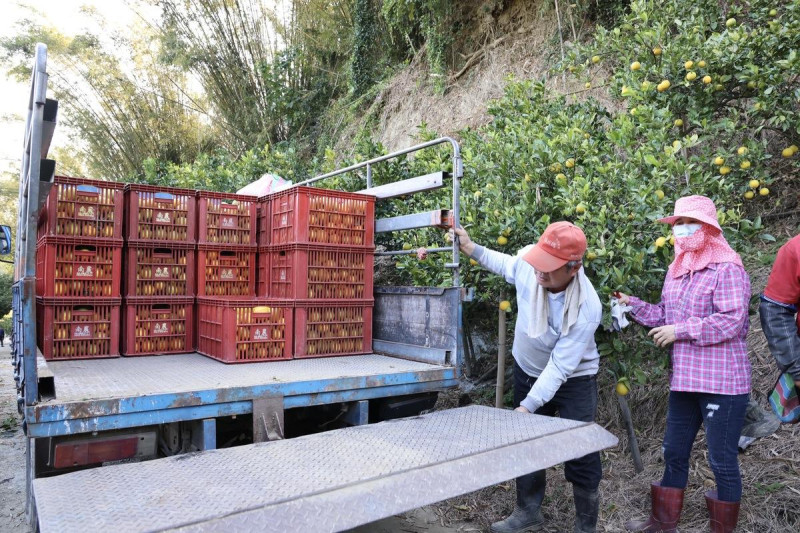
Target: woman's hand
(522,409)
(663,335)
(623,298)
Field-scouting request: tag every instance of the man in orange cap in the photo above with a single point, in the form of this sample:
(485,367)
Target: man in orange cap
(555,357)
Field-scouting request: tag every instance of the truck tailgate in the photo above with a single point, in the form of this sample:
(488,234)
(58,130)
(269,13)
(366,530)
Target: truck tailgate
(325,482)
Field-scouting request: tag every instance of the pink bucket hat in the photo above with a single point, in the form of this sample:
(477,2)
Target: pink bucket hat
(697,207)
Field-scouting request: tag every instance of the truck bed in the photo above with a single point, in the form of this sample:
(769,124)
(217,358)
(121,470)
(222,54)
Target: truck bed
(95,395)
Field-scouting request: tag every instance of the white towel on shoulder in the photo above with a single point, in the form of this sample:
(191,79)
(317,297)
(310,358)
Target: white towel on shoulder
(573,299)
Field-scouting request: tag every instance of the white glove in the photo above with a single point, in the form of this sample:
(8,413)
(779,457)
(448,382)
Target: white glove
(618,319)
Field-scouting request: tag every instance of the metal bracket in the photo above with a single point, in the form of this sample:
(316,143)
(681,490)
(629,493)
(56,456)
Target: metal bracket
(268,419)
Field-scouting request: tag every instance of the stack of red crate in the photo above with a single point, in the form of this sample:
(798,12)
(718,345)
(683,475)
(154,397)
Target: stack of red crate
(317,250)
(160,270)
(233,325)
(79,269)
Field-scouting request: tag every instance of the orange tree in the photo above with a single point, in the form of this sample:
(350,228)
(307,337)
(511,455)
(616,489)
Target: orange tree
(707,104)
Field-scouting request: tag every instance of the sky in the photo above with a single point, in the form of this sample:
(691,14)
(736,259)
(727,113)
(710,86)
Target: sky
(66,16)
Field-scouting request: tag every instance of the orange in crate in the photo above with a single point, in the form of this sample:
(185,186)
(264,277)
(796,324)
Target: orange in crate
(77,328)
(227,219)
(79,207)
(159,270)
(226,271)
(306,215)
(160,213)
(332,328)
(158,326)
(244,330)
(316,272)
(76,267)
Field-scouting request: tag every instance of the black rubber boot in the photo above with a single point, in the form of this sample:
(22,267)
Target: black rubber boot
(587,506)
(527,515)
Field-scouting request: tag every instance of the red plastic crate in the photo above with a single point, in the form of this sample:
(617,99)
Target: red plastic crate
(324,329)
(227,219)
(80,207)
(226,271)
(160,214)
(157,326)
(153,270)
(305,215)
(262,213)
(244,330)
(302,271)
(78,268)
(77,328)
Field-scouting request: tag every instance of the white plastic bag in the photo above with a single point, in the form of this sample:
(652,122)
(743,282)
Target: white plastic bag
(266,184)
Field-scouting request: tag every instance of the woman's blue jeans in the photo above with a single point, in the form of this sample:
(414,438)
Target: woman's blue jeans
(723,417)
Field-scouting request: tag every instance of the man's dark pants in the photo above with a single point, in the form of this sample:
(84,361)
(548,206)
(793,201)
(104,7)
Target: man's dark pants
(576,399)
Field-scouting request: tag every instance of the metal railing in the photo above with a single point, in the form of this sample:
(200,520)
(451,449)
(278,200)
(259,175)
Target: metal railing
(457,174)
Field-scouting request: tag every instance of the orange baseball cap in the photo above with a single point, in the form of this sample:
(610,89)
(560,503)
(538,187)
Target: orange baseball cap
(560,242)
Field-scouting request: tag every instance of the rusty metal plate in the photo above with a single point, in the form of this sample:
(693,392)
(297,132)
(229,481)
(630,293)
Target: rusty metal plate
(325,482)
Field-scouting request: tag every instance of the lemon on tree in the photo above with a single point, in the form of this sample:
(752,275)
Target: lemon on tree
(657,51)
(569,163)
(636,65)
(764,191)
(706,79)
(741,150)
(701,64)
(622,387)
(724,170)
(473,262)
(595,59)
(749,195)
(660,242)
(663,86)
(406,246)
(690,76)
(502,241)
(719,161)
(505,305)
(787,152)
(581,209)
(744,165)
(754,184)
(688,65)
(678,123)
(659,194)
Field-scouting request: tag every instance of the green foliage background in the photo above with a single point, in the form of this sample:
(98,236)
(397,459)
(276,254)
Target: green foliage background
(611,165)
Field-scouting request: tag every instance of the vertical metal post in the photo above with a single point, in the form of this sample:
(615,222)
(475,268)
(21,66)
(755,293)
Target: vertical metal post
(501,358)
(369,176)
(29,216)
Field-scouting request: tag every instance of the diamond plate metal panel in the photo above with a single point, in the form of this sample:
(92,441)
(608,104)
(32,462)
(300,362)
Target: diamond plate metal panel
(143,376)
(326,482)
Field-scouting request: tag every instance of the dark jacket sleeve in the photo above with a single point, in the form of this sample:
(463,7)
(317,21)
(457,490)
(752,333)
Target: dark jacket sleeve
(780,328)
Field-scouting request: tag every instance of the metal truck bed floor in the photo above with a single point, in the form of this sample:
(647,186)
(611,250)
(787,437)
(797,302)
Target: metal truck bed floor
(325,482)
(99,379)
(110,394)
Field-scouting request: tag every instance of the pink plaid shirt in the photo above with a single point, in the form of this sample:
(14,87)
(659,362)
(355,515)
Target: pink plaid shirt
(709,310)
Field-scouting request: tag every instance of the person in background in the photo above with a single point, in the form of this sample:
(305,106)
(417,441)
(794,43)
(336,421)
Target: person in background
(778,310)
(555,357)
(702,317)
(2,336)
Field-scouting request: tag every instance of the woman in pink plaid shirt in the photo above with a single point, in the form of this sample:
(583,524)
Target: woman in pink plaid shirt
(703,317)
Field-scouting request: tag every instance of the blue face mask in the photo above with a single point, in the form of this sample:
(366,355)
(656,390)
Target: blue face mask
(685,230)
